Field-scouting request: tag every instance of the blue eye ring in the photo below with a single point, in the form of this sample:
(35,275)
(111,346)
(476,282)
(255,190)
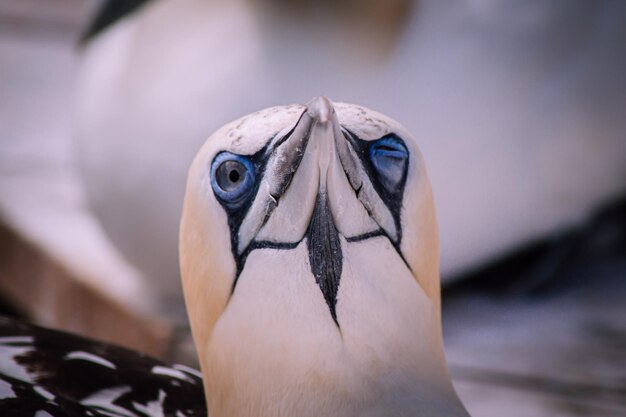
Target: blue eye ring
(232,178)
(389,157)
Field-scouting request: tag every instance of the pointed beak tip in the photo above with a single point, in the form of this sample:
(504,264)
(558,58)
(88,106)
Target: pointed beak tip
(320,108)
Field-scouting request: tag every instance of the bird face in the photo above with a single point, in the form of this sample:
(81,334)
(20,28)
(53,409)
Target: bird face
(309,244)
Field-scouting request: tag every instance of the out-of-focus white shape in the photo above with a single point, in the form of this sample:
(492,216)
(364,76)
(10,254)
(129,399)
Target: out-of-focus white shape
(40,195)
(517,106)
(90,357)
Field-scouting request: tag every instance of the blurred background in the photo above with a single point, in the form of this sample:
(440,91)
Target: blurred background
(518,107)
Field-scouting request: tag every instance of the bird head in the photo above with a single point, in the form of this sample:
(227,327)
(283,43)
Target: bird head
(310,264)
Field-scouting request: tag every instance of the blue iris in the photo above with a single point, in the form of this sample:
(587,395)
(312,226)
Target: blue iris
(389,157)
(232,178)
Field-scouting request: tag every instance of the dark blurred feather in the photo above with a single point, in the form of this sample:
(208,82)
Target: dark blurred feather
(552,265)
(107,14)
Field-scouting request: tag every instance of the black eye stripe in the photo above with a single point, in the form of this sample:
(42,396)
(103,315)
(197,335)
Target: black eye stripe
(390,147)
(237,213)
(391,197)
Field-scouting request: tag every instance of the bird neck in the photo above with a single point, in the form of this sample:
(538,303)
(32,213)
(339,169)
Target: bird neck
(276,350)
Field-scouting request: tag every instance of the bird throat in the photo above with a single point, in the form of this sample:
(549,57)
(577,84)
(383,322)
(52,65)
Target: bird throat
(325,256)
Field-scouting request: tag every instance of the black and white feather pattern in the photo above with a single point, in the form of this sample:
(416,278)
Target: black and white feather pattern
(48,373)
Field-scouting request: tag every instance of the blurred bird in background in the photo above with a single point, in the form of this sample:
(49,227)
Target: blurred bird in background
(518,107)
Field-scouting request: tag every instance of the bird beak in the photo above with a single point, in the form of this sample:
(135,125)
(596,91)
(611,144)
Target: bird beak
(316,188)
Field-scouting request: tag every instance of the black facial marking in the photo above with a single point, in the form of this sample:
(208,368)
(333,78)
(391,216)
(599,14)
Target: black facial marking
(325,255)
(237,214)
(322,237)
(391,197)
(365,236)
(263,244)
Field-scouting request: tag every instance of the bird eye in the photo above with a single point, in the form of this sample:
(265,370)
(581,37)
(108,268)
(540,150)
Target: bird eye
(232,178)
(389,157)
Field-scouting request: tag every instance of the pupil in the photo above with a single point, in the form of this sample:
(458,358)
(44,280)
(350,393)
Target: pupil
(230,176)
(233,176)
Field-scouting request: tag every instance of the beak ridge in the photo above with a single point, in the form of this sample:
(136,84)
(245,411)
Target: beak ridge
(320,108)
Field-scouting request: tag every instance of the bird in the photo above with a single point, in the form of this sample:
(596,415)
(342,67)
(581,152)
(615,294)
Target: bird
(517,106)
(50,373)
(309,258)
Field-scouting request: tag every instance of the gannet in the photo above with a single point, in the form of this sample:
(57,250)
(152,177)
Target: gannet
(49,373)
(310,264)
(518,106)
